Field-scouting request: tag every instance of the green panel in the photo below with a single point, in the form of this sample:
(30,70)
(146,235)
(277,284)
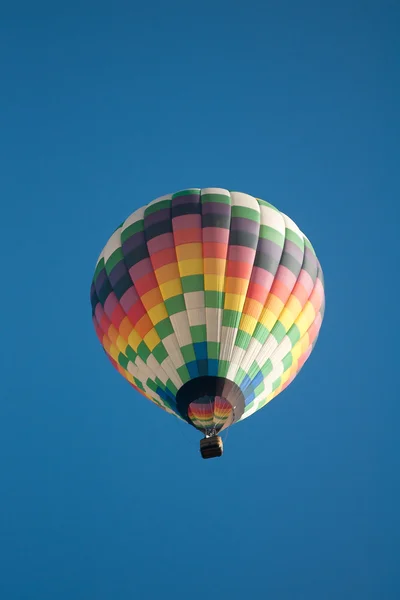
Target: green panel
(199,333)
(223,368)
(278,331)
(276,384)
(246,213)
(231,318)
(183,373)
(287,361)
(243,339)
(213,349)
(139,384)
(175,305)
(152,385)
(143,351)
(99,267)
(164,328)
(265,203)
(157,206)
(266,369)
(131,230)
(131,354)
(188,353)
(160,353)
(192,283)
(261,333)
(293,237)
(294,334)
(214,299)
(216,198)
(269,233)
(188,192)
(260,388)
(123,361)
(115,258)
(171,387)
(240,375)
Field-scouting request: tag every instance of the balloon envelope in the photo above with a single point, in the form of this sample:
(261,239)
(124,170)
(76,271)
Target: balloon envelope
(208,302)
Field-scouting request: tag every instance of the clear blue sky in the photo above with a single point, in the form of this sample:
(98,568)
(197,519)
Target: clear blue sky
(103,107)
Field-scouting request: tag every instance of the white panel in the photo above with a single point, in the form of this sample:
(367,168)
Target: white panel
(180,324)
(194,300)
(113,244)
(197,317)
(214,320)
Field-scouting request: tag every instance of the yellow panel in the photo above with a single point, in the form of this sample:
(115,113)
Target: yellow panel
(171,289)
(151,339)
(193,266)
(121,344)
(287,318)
(274,304)
(248,324)
(294,305)
(234,302)
(106,344)
(114,353)
(126,374)
(297,351)
(306,318)
(214,283)
(305,343)
(268,319)
(286,376)
(158,313)
(134,340)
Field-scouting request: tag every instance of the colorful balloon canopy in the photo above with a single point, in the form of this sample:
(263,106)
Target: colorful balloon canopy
(208,302)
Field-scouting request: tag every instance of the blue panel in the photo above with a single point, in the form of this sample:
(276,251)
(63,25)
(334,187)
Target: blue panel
(257,379)
(213,367)
(200,350)
(193,369)
(249,396)
(202,366)
(245,383)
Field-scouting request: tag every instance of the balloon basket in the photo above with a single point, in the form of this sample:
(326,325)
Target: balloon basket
(211,447)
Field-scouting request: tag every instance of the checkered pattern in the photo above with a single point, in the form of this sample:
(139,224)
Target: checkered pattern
(208,282)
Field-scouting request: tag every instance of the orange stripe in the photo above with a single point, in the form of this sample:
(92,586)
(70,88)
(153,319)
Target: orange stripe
(253,308)
(167,273)
(186,251)
(144,326)
(125,328)
(152,298)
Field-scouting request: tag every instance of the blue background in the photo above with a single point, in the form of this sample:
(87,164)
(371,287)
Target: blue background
(103,107)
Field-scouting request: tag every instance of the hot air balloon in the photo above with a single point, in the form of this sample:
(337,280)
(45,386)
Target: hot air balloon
(209,303)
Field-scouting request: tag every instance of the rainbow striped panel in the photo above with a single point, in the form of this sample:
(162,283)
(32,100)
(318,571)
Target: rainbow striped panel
(208,283)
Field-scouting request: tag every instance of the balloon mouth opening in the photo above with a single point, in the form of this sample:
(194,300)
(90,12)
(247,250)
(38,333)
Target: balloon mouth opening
(210,403)
(210,414)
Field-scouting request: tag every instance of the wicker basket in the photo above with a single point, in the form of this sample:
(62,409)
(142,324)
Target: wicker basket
(211,447)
